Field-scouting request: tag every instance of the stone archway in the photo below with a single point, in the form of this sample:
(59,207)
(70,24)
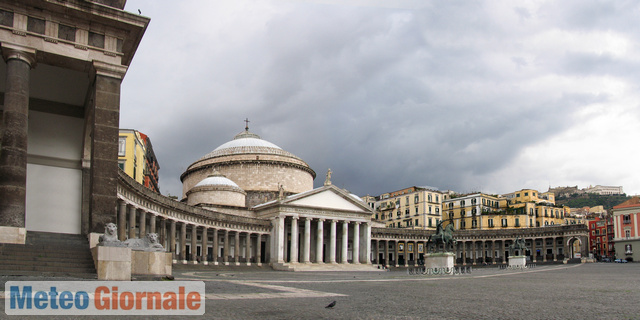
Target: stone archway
(575,247)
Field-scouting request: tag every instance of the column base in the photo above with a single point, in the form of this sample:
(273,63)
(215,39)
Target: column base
(185,262)
(13,235)
(215,263)
(194,262)
(259,264)
(206,263)
(333,262)
(226,263)
(237,263)
(174,261)
(248,263)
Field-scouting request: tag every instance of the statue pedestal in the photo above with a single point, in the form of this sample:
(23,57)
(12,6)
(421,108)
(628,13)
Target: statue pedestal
(439,260)
(151,263)
(517,261)
(112,263)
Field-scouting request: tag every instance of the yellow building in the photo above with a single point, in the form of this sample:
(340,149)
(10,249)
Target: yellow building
(526,208)
(413,207)
(131,154)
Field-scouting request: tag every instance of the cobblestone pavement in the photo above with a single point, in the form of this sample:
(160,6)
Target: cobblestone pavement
(586,291)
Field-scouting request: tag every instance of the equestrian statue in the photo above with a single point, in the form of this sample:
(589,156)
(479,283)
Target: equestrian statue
(520,245)
(442,236)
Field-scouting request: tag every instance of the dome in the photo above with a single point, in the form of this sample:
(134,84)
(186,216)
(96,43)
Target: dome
(247,143)
(217,180)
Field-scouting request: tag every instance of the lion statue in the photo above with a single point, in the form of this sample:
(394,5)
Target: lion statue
(148,243)
(110,236)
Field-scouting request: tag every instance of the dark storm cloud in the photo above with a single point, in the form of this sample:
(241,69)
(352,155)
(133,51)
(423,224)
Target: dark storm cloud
(447,94)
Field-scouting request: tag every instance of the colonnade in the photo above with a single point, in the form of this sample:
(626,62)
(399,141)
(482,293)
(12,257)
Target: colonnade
(193,242)
(300,239)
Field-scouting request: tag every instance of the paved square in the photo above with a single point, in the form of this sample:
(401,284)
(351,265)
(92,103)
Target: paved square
(587,291)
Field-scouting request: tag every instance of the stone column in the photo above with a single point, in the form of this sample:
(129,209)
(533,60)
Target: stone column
(307,240)
(397,256)
(172,240)
(277,242)
(377,251)
(132,222)
(367,237)
(320,241)
(259,249)
(152,223)
(163,231)
(237,248)
(226,248)
(13,150)
(555,249)
(416,255)
(464,253)
(122,221)
(194,244)
(345,239)
(493,251)
(143,224)
(183,242)
(406,253)
(294,240)
(332,242)
(215,248)
(473,253)
(355,243)
(205,251)
(247,250)
(386,253)
(544,250)
(103,130)
(533,250)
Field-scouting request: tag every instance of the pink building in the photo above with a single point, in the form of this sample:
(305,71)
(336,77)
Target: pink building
(626,221)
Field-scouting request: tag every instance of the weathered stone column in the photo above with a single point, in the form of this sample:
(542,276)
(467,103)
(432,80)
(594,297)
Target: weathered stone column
(367,239)
(194,244)
(132,222)
(307,241)
(122,221)
(493,251)
(236,245)
(13,150)
(294,240)
(143,224)
(345,244)
(533,250)
(226,249)
(464,253)
(406,253)
(247,250)
(332,242)
(183,242)
(172,240)
(544,250)
(152,223)
(104,131)
(386,253)
(377,251)
(163,231)
(319,241)
(555,249)
(215,247)
(204,257)
(473,253)
(397,256)
(356,243)
(277,242)
(259,249)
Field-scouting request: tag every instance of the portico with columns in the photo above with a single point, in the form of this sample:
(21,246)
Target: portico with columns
(323,229)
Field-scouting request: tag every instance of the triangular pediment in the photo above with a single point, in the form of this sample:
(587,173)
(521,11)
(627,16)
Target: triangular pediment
(328,199)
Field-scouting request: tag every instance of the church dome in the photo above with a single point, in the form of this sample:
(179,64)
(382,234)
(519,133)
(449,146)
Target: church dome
(247,143)
(217,179)
(216,190)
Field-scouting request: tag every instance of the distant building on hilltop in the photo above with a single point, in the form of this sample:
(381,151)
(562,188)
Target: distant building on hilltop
(137,159)
(601,190)
(604,190)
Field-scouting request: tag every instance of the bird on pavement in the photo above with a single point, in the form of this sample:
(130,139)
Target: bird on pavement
(331,305)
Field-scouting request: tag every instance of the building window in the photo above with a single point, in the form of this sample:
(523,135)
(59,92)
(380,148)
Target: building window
(626,219)
(96,40)
(437,198)
(627,234)
(437,210)
(517,222)
(416,211)
(66,33)
(417,222)
(490,223)
(35,25)
(627,249)
(121,165)
(122,146)
(504,222)
(6,18)
(429,198)
(416,199)
(430,224)
(429,209)
(474,223)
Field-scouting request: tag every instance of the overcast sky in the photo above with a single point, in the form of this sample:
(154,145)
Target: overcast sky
(492,96)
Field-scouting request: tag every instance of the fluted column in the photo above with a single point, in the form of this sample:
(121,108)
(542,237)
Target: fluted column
(294,240)
(132,222)
(152,223)
(307,240)
(13,150)
(194,244)
(226,248)
(215,248)
(183,242)
(172,239)
(122,221)
(377,251)
(345,241)
(247,250)
(332,242)
(143,224)
(259,249)
(319,241)
(205,251)
(356,243)
(237,248)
